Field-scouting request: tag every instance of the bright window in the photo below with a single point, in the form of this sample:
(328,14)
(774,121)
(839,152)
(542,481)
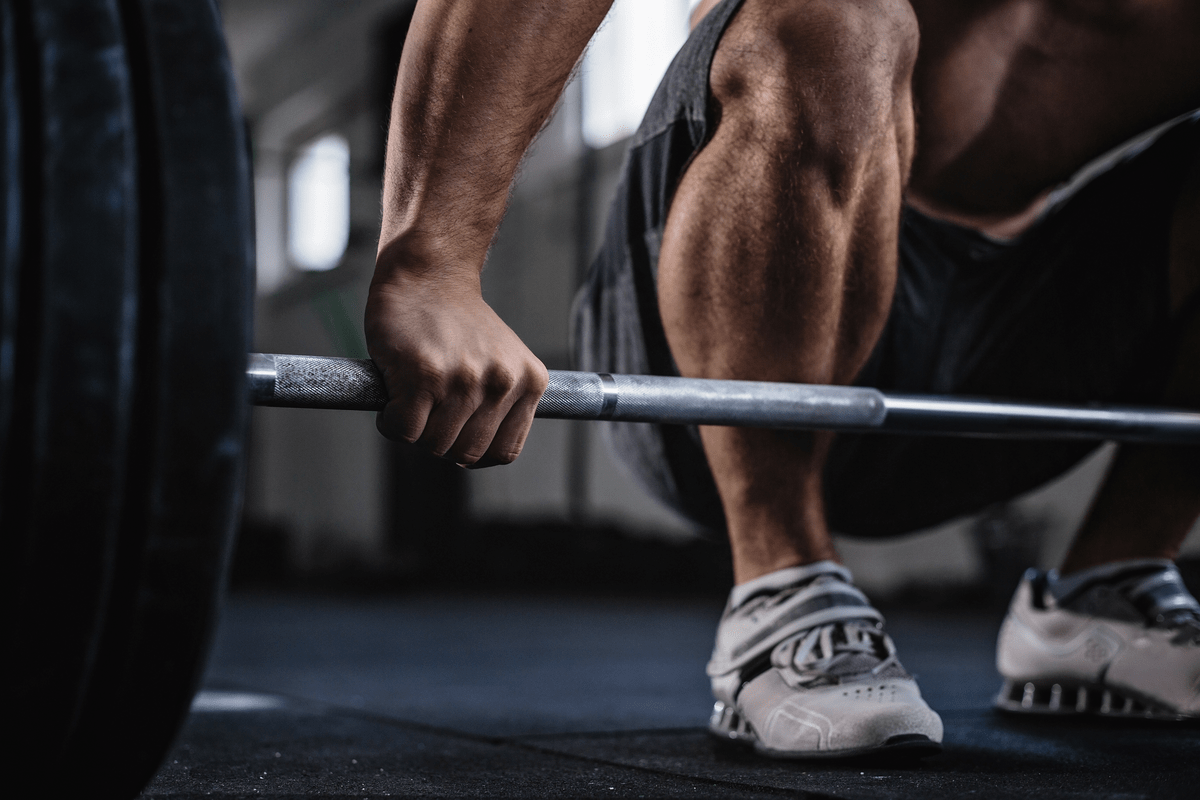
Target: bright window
(625,63)
(319,203)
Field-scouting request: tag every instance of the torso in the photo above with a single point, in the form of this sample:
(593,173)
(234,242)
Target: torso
(1014,96)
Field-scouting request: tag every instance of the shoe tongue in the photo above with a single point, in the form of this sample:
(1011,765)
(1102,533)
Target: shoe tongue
(863,665)
(855,664)
(787,578)
(844,664)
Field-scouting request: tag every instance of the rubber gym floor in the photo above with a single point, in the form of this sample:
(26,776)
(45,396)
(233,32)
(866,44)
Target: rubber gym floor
(438,694)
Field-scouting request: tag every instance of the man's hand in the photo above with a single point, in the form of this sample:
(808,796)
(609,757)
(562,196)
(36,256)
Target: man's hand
(461,384)
(477,80)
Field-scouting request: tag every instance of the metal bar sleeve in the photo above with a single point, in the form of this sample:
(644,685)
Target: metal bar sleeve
(317,382)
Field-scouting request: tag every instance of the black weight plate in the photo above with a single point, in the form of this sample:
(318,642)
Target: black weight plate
(10,217)
(75,341)
(184,496)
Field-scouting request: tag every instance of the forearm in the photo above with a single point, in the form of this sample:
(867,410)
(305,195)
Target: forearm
(477,80)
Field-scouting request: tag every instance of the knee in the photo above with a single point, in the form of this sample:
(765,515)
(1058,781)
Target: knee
(822,74)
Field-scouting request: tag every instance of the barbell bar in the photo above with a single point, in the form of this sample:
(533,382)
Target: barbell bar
(298,381)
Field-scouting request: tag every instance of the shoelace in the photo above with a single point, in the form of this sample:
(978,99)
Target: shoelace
(815,656)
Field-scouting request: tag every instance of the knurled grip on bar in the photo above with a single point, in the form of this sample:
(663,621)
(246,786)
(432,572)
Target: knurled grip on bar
(350,384)
(317,382)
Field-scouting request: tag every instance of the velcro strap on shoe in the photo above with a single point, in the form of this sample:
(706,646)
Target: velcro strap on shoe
(1066,588)
(1162,594)
(785,578)
(768,622)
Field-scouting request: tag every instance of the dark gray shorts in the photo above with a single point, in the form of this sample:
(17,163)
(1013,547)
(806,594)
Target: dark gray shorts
(1075,310)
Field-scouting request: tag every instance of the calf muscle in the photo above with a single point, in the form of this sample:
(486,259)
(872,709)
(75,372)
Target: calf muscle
(786,273)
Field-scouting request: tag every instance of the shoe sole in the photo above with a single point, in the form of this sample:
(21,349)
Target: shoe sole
(728,726)
(1052,698)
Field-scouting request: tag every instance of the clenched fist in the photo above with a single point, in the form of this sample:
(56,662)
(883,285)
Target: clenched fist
(461,384)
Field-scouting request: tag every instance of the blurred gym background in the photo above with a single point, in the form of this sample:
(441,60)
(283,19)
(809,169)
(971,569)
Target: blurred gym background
(331,504)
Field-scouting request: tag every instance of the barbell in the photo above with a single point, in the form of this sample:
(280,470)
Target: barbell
(126,284)
(294,381)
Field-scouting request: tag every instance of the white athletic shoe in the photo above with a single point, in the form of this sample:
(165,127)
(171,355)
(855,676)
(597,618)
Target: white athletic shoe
(803,669)
(1118,640)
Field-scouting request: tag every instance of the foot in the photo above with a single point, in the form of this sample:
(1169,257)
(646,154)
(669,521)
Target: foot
(803,669)
(1122,639)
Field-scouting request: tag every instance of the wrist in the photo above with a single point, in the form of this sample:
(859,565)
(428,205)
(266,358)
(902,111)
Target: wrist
(425,258)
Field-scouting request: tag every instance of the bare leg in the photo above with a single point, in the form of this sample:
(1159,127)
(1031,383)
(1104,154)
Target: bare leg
(779,257)
(1151,496)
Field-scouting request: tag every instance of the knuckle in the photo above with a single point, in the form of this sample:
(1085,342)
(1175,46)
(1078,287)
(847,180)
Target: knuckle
(540,378)
(499,383)
(466,385)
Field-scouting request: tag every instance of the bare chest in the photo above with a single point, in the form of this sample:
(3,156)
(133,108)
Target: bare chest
(1013,96)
